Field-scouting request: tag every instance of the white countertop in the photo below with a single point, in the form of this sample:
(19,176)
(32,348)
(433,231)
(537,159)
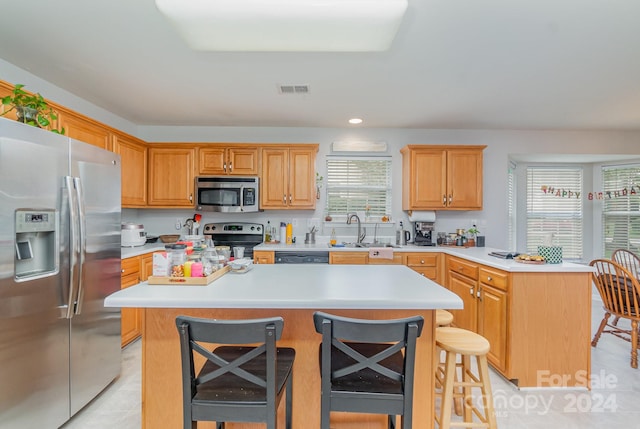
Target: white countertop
(130,252)
(475,254)
(314,286)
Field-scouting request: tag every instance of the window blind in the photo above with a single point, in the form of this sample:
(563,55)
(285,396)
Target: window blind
(555,213)
(511,204)
(621,211)
(358,184)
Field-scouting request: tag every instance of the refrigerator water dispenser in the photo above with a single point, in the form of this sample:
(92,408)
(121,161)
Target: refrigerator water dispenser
(36,243)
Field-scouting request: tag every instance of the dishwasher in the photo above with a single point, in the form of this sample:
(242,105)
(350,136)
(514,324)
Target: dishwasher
(301,257)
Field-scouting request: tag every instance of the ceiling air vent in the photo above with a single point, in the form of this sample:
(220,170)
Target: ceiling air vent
(293,89)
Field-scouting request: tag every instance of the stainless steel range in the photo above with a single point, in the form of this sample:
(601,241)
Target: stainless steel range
(247,235)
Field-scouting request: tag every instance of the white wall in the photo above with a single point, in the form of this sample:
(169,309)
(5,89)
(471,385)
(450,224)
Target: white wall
(492,221)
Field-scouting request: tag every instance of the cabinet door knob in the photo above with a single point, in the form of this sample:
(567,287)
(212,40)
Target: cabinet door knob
(422,261)
(489,278)
(224,167)
(444,200)
(122,270)
(471,291)
(289,198)
(230,166)
(284,199)
(450,198)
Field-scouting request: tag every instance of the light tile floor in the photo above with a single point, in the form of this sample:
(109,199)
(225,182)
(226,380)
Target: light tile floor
(614,400)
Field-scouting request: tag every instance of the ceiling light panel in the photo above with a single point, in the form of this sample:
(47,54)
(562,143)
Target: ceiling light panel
(286,25)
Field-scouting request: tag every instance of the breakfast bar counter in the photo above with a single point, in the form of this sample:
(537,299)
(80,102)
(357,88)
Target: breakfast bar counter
(294,292)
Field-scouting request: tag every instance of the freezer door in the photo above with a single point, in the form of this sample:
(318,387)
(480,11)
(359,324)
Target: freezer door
(95,330)
(34,333)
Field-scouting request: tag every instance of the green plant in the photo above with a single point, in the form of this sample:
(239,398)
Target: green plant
(31,109)
(473,231)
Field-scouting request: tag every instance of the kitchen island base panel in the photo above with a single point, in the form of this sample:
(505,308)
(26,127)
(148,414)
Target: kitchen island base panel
(161,367)
(551,318)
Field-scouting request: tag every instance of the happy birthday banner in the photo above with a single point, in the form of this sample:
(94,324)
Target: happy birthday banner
(602,195)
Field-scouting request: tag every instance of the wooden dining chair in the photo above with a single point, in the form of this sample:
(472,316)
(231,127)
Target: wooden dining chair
(628,260)
(620,293)
(242,380)
(367,366)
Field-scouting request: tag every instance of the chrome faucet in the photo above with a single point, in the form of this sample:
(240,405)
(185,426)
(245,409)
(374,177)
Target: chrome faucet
(361,234)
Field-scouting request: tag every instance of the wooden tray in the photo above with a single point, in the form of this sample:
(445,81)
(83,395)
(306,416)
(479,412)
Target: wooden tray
(530,262)
(188,281)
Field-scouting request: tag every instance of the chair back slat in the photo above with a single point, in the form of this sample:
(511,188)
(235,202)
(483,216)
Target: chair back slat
(618,288)
(628,260)
(230,331)
(374,331)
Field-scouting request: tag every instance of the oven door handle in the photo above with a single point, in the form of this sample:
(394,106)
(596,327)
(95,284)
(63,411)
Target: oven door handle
(241,198)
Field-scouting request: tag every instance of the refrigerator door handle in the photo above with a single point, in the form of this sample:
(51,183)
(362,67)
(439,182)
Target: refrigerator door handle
(73,244)
(82,243)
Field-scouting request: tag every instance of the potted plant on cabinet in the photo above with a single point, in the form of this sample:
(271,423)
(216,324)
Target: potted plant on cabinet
(31,109)
(471,236)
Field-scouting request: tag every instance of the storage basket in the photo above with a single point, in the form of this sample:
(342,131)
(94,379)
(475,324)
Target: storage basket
(551,254)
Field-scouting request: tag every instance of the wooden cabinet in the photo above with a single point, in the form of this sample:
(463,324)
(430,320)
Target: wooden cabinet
(424,263)
(442,177)
(133,155)
(264,257)
(171,176)
(493,314)
(288,177)
(462,279)
(146,266)
(354,258)
(131,325)
(233,160)
(484,293)
(85,129)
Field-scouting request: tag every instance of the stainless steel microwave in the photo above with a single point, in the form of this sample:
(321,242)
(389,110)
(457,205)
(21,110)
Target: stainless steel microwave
(228,194)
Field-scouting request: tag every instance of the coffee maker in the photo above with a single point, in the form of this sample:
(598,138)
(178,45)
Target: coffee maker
(423,232)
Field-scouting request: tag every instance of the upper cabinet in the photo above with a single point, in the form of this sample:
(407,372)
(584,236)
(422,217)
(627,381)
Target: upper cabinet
(85,129)
(219,160)
(288,177)
(171,175)
(133,154)
(442,177)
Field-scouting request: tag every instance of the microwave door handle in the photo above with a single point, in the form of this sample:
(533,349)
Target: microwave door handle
(241,198)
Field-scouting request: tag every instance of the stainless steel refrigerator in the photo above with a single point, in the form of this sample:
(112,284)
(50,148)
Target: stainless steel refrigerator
(59,258)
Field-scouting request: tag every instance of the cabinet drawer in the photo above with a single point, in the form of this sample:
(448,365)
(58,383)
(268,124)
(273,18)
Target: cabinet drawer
(358,258)
(497,279)
(460,266)
(422,260)
(130,266)
(429,272)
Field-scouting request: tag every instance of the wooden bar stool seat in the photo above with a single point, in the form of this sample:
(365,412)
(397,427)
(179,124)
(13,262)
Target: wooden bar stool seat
(454,342)
(443,318)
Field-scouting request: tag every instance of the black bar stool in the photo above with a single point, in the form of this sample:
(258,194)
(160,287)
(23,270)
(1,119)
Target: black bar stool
(367,366)
(238,383)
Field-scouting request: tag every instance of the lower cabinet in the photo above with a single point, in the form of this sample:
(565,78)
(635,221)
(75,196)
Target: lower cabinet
(134,270)
(484,293)
(264,257)
(424,263)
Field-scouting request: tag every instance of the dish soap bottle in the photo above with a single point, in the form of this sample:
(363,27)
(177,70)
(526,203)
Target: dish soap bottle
(333,240)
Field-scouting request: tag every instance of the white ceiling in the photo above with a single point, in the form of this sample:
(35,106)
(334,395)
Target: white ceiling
(488,64)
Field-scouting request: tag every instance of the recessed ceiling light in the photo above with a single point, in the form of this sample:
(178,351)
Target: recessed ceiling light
(355,121)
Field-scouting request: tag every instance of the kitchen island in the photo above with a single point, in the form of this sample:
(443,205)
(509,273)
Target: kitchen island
(293,292)
(536,317)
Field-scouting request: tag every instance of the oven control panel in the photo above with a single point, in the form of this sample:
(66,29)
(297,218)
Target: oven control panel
(244,228)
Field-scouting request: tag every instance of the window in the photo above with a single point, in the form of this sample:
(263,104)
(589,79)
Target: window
(621,208)
(358,184)
(554,207)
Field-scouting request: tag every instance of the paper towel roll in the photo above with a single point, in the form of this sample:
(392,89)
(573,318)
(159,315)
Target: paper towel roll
(422,216)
